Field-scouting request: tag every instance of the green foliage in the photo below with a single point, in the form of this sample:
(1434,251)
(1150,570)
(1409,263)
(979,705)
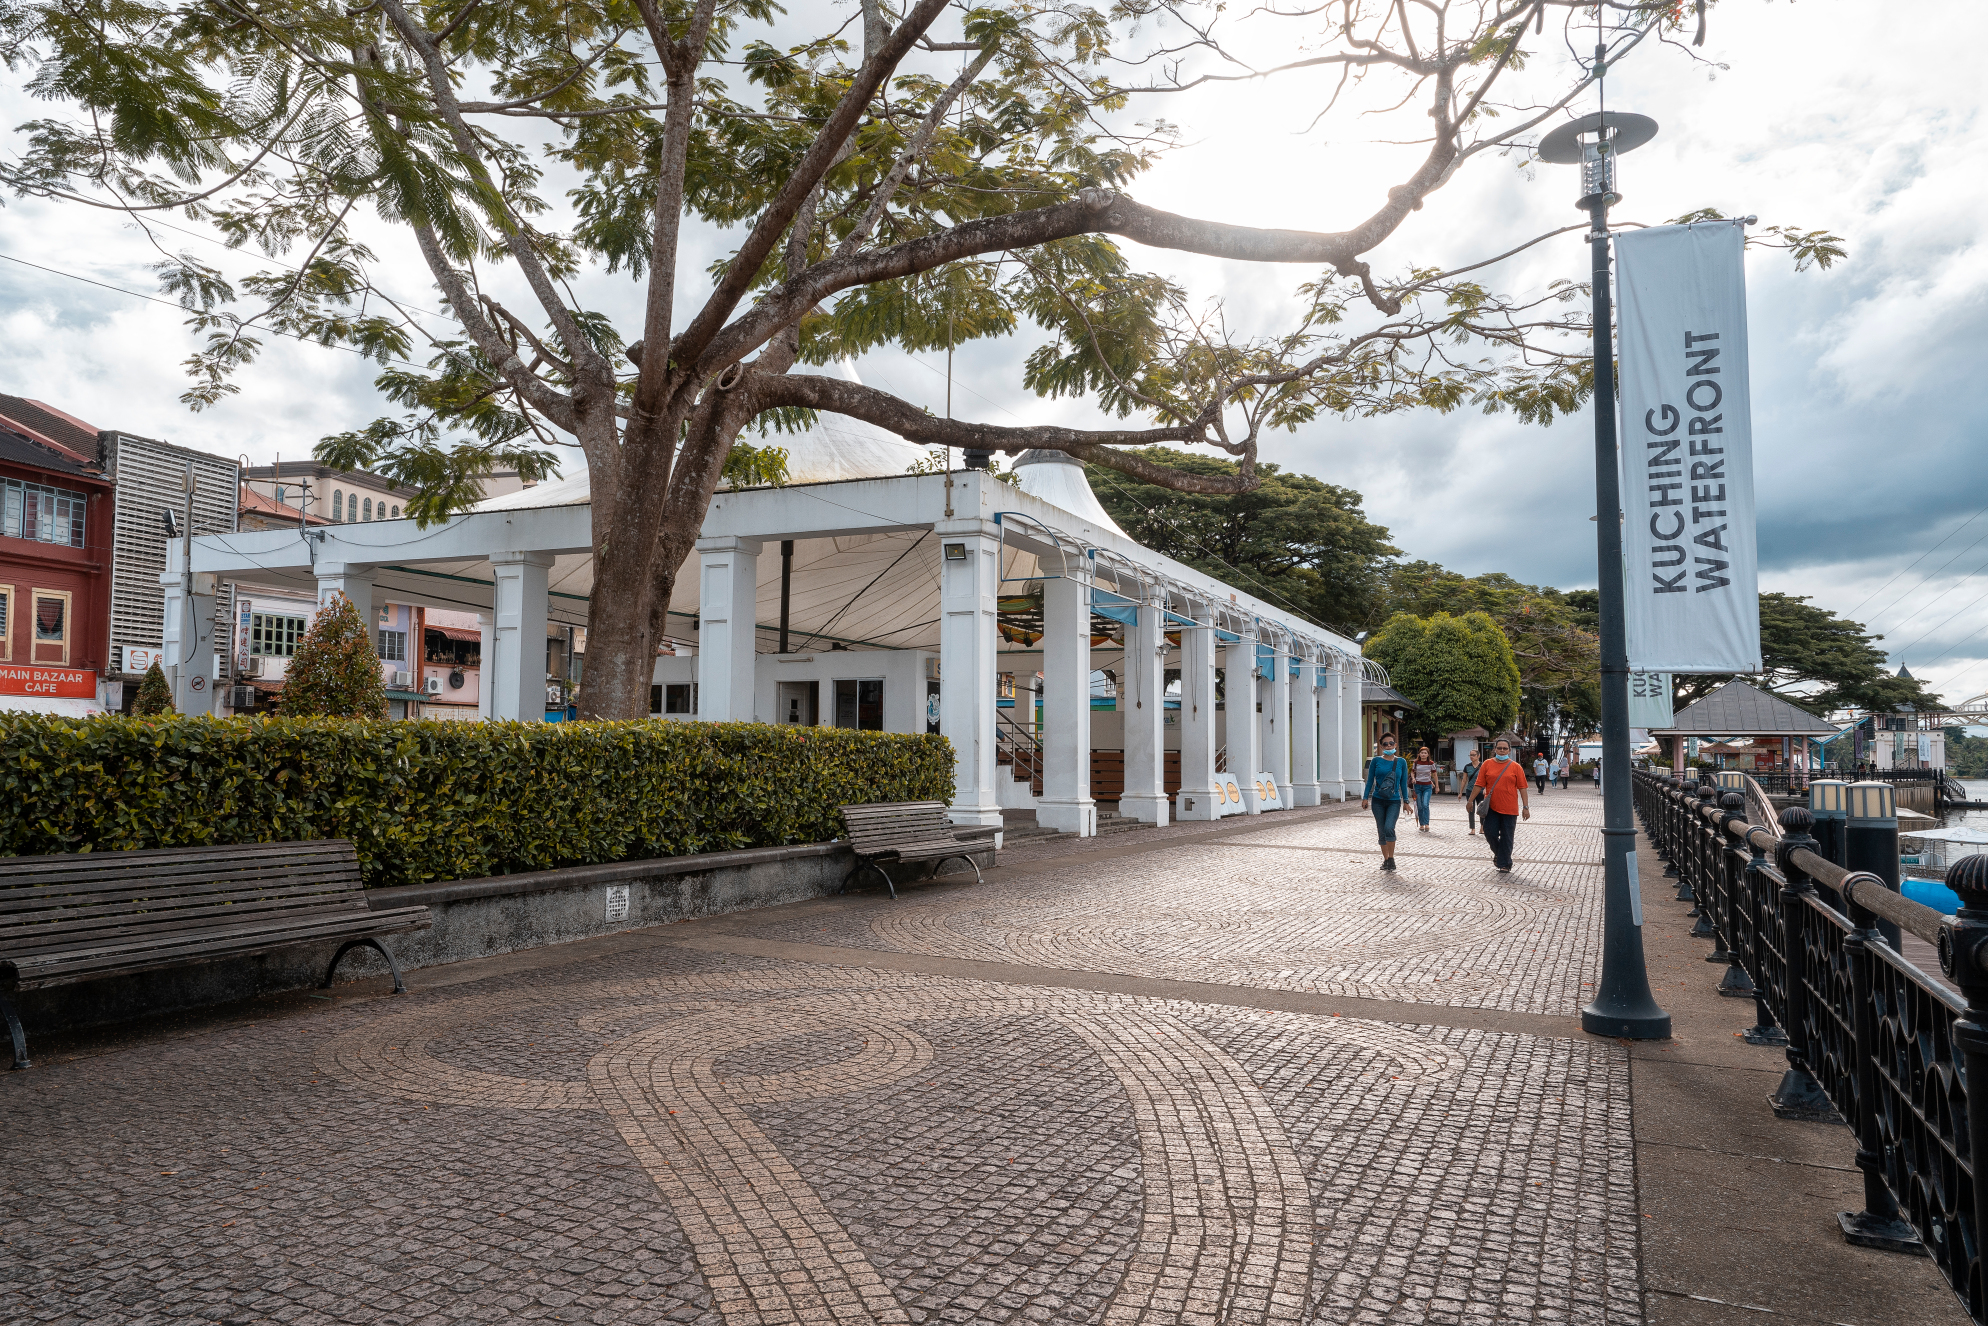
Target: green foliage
(1819,661)
(1967,756)
(1293,540)
(1558,653)
(1459,670)
(441,800)
(336,672)
(155,693)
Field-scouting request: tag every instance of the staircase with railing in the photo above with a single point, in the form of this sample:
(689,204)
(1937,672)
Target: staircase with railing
(1017,745)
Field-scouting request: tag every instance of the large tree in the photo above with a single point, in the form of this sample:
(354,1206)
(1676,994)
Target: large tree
(1292,540)
(1813,658)
(1558,654)
(942,173)
(1459,671)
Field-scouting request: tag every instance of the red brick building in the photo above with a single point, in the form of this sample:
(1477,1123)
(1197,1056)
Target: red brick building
(55,554)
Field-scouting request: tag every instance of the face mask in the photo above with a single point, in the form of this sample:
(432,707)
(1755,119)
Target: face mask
(1501,757)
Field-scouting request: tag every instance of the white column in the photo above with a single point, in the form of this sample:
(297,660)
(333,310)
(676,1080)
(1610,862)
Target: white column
(1066,802)
(1331,742)
(1142,703)
(1197,722)
(727,600)
(1306,776)
(486,625)
(1242,694)
(1277,726)
(514,669)
(354,582)
(187,636)
(1350,731)
(969,579)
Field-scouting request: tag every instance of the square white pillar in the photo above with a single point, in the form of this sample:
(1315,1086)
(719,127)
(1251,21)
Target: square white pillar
(1242,698)
(486,626)
(1351,735)
(354,582)
(1306,775)
(1142,702)
(514,669)
(1331,742)
(1277,726)
(1066,803)
(187,636)
(969,581)
(1196,800)
(727,631)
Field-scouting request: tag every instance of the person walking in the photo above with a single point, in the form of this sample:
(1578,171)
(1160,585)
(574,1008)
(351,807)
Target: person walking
(1467,790)
(1540,769)
(1387,784)
(1425,786)
(1502,784)
(1597,775)
(1560,770)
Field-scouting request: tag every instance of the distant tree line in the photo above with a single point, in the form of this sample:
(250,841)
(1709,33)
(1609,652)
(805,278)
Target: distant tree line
(1307,545)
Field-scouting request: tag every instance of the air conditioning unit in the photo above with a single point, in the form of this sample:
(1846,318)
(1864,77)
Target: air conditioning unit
(402,680)
(433,686)
(241,699)
(251,666)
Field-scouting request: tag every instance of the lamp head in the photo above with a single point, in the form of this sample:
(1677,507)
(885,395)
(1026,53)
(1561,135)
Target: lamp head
(1594,141)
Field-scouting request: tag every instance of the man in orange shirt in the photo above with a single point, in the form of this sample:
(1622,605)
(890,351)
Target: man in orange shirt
(1502,784)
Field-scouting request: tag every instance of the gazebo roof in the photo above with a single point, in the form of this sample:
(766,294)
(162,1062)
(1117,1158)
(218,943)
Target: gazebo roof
(1739,710)
(1375,693)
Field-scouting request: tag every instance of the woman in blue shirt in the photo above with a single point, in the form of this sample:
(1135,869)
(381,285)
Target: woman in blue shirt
(1387,785)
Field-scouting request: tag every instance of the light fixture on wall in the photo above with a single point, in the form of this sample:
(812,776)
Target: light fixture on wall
(956,552)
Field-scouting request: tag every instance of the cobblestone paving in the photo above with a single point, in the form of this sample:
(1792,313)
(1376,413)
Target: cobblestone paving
(1298,904)
(656,1134)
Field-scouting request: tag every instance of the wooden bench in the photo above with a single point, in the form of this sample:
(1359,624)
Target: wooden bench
(65,919)
(902,831)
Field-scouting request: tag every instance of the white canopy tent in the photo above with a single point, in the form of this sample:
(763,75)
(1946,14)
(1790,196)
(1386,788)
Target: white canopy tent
(948,593)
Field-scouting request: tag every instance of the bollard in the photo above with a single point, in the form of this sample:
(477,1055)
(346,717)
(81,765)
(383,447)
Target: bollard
(1735,984)
(1828,802)
(1870,840)
(1964,959)
(1764,1031)
(1667,801)
(1799,1096)
(1878,1225)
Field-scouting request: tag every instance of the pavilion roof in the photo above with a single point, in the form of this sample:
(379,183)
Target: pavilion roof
(1739,710)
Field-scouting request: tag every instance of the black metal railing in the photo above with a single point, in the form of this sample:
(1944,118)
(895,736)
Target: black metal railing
(1871,1038)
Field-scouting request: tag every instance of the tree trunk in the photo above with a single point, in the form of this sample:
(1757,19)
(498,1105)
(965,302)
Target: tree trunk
(621,645)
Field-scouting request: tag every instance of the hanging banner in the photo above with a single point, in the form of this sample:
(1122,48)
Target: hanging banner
(1691,572)
(1649,700)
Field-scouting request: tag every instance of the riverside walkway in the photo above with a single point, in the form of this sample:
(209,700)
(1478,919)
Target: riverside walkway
(1208,1074)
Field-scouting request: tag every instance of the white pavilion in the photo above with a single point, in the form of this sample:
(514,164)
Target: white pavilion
(1017,619)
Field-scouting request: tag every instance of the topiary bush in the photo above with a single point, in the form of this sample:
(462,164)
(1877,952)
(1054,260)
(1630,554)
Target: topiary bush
(336,671)
(447,800)
(155,693)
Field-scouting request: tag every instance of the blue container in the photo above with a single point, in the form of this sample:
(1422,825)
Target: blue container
(1932,893)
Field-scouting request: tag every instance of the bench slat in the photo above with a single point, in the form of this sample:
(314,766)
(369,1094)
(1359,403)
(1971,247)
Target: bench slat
(112,876)
(85,865)
(25,904)
(78,932)
(67,968)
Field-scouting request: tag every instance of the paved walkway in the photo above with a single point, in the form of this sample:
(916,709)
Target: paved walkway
(1232,1074)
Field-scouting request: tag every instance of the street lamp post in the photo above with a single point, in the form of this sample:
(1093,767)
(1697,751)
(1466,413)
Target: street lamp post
(1623,1005)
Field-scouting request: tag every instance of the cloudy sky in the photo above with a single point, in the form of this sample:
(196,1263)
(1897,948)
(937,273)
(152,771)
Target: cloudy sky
(1873,491)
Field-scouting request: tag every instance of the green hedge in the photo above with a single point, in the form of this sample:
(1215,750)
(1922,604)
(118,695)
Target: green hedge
(446,800)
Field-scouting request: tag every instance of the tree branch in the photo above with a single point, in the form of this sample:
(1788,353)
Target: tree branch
(838,396)
(744,267)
